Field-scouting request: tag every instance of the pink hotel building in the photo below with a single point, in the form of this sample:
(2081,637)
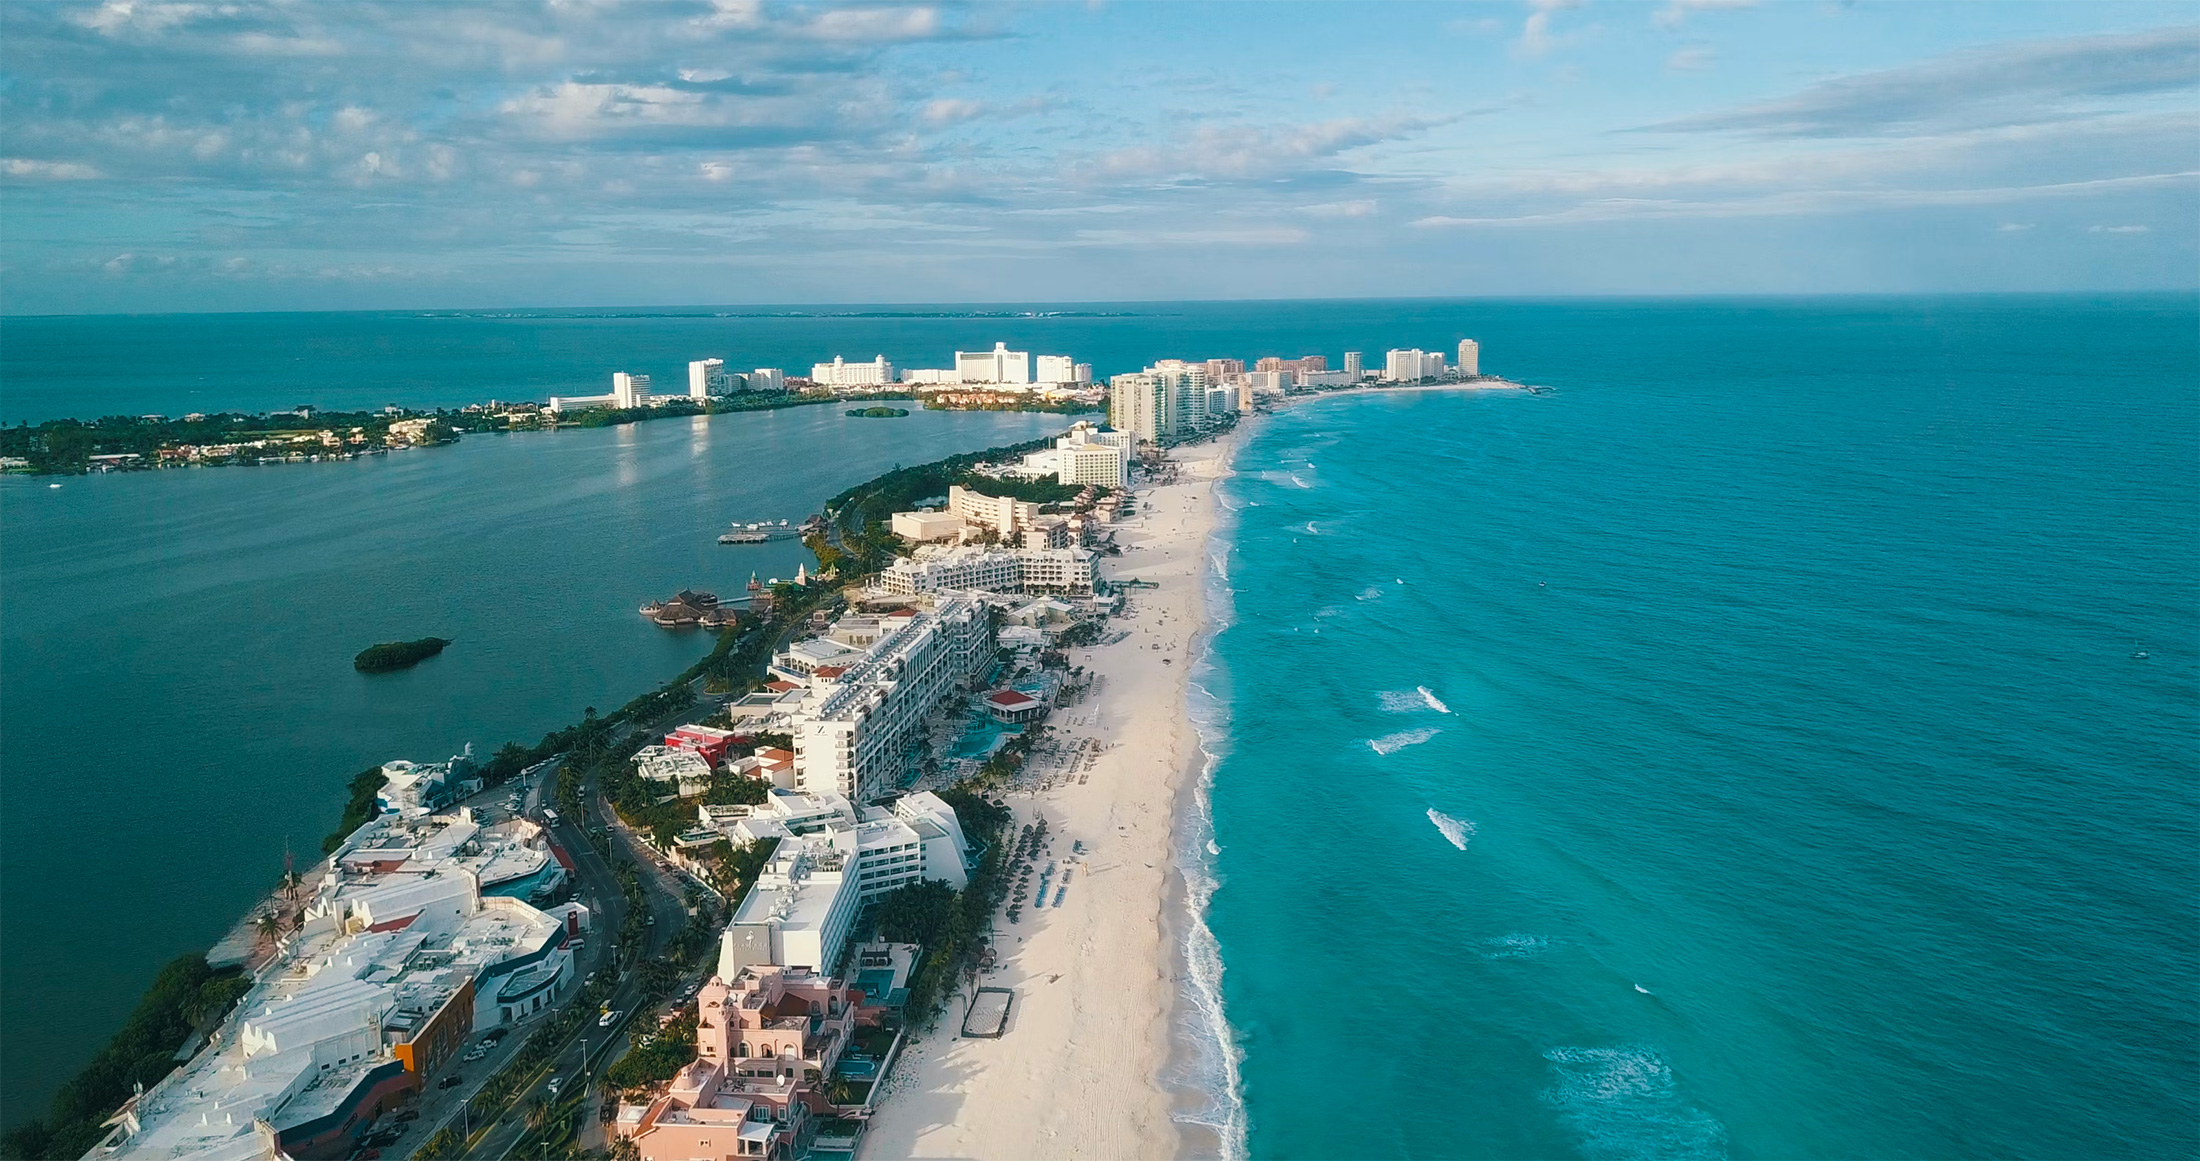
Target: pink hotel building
(765,1045)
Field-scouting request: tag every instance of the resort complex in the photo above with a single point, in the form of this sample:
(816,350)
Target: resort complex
(821,844)
(407,949)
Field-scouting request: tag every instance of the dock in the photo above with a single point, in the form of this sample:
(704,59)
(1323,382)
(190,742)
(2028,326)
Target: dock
(760,532)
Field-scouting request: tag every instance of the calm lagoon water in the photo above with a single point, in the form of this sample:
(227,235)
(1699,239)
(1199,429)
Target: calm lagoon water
(176,657)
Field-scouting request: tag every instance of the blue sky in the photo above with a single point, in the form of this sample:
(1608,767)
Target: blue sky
(240,156)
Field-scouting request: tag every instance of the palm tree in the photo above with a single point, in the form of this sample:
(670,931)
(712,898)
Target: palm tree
(266,930)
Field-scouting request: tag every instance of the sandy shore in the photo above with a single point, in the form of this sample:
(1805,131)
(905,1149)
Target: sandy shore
(1077,1074)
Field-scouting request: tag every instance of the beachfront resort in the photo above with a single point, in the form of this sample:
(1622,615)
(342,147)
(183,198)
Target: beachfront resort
(989,724)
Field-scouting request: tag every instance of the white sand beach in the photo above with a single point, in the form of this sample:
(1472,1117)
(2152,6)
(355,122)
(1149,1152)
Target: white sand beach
(1077,1072)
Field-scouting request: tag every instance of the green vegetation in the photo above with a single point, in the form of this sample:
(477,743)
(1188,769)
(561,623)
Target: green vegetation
(952,923)
(862,513)
(67,445)
(733,868)
(731,789)
(878,413)
(358,809)
(1018,403)
(394,655)
(658,1056)
(187,994)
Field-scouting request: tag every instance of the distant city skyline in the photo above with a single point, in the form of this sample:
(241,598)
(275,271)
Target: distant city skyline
(183,157)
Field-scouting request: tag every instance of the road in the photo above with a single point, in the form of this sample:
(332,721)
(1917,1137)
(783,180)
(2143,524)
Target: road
(664,892)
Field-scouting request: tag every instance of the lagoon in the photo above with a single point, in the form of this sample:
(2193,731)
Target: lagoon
(177,654)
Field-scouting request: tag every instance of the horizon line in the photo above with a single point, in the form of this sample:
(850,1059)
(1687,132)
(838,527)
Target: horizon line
(757,308)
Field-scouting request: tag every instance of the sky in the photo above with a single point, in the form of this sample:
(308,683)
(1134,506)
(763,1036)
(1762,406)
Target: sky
(246,156)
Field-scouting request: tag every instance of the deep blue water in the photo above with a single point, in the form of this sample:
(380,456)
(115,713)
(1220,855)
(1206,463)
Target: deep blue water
(1812,800)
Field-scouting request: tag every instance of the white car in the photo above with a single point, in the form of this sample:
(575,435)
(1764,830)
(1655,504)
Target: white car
(605,1020)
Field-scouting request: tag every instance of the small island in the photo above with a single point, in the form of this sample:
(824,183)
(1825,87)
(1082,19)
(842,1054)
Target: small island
(878,412)
(390,656)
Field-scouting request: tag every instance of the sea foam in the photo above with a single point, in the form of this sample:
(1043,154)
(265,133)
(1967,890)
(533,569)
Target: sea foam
(1411,701)
(1392,743)
(1622,1103)
(1458,830)
(1517,945)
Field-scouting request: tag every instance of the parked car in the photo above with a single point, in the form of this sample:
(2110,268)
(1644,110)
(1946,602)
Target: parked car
(409,1115)
(451,1081)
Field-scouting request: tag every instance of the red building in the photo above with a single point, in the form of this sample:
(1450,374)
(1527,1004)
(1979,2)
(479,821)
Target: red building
(705,742)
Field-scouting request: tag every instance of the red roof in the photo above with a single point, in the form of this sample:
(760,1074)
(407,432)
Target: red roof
(780,686)
(831,671)
(1011,699)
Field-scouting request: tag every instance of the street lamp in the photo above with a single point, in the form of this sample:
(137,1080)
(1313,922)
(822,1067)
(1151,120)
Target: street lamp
(465,1120)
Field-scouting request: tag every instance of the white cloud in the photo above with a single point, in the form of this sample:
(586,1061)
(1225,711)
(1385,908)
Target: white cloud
(48,170)
(2011,84)
(1352,209)
(1536,37)
(1819,201)
(1676,11)
(1251,236)
(2013,227)
(1254,152)
(1694,58)
(2118,229)
(949,110)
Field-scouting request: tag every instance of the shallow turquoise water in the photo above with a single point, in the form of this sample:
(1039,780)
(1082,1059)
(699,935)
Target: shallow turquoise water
(1799,793)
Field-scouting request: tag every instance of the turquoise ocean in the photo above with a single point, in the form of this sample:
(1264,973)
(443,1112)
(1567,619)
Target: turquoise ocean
(1738,750)
(1776,741)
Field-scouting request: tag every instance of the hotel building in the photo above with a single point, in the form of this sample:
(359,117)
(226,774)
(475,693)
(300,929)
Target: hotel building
(852,734)
(1087,455)
(707,377)
(999,365)
(994,570)
(841,373)
(399,961)
(1412,366)
(766,1038)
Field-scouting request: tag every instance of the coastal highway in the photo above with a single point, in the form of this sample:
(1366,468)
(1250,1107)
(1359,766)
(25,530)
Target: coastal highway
(664,901)
(598,886)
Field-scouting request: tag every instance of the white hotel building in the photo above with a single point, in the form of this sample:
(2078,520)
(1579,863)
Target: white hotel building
(1413,366)
(399,963)
(993,570)
(841,373)
(832,860)
(852,734)
(627,391)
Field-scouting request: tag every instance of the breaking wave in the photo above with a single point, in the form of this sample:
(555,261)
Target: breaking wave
(1458,830)
(1392,743)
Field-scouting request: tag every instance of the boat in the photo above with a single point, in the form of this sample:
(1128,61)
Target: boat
(744,538)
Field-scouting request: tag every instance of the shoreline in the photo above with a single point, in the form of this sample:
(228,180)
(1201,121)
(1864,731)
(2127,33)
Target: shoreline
(1093,1036)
